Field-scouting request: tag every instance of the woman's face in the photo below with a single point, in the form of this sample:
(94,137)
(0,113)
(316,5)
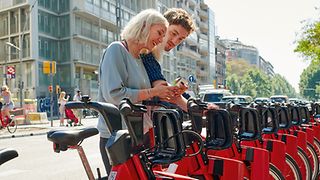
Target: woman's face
(156,35)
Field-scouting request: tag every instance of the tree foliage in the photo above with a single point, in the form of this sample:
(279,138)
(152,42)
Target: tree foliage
(237,67)
(233,83)
(251,81)
(310,81)
(308,44)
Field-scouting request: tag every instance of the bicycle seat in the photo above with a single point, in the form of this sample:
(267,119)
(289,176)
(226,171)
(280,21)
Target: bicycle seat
(7,154)
(72,137)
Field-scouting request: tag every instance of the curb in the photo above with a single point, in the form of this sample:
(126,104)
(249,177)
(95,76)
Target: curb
(22,135)
(42,129)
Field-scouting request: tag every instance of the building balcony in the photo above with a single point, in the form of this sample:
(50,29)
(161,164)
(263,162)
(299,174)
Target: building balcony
(203,49)
(8,4)
(204,36)
(202,73)
(187,51)
(192,2)
(204,27)
(189,10)
(192,39)
(203,5)
(203,60)
(203,14)
(94,13)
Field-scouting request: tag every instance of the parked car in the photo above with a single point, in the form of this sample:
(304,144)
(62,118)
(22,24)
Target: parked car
(279,99)
(263,100)
(214,95)
(239,99)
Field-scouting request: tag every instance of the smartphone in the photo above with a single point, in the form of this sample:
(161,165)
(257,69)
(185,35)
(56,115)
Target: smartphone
(181,82)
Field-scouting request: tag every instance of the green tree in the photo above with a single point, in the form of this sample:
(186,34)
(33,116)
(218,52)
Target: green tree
(262,82)
(308,44)
(309,80)
(248,87)
(243,78)
(238,67)
(281,86)
(233,83)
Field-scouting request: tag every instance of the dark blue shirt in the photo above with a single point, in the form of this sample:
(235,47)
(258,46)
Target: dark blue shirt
(153,69)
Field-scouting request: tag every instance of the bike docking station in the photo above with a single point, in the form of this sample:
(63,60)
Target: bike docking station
(258,141)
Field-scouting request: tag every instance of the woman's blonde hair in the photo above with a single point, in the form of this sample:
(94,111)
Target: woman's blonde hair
(4,88)
(62,95)
(138,28)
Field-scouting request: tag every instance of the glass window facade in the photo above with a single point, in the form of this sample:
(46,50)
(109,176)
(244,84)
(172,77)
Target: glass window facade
(24,26)
(91,30)
(52,5)
(3,50)
(48,24)
(64,22)
(4,24)
(48,48)
(14,22)
(64,51)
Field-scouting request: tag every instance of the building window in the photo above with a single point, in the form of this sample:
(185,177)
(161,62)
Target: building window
(3,25)
(26,46)
(13,22)
(105,5)
(112,9)
(29,74)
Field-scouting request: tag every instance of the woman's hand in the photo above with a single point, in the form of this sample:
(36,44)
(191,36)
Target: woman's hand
(164,92)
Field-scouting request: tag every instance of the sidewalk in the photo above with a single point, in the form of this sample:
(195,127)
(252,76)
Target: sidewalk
(41,129)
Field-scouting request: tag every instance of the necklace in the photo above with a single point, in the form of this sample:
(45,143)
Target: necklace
(125,44)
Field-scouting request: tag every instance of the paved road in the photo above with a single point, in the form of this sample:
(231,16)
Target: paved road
(38,161)
(40,129)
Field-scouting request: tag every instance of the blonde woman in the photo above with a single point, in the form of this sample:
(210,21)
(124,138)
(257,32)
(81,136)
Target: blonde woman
(7,104)
(62,102)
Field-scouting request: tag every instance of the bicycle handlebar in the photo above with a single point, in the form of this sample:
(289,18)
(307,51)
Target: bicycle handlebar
(109,112)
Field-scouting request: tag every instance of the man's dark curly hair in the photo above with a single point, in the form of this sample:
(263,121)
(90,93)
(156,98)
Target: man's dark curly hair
(178,16)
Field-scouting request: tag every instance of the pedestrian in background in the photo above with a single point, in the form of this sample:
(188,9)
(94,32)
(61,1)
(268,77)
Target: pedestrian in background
(62,106)
(7,104)
(78,112)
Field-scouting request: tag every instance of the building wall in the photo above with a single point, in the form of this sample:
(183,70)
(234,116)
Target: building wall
(74,33)
(220,62)
(212,47)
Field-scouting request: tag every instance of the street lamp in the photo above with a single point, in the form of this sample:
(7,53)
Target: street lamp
(12,45)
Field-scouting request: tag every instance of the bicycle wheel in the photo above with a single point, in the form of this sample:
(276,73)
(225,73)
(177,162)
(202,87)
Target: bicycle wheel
(306,162)
(317,148)
(314,160)
(275,173)
(12,126)
(294,168)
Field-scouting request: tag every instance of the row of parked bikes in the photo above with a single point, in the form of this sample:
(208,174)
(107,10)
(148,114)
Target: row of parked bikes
(259,141)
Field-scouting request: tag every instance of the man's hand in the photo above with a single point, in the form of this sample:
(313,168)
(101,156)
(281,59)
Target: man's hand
(212,106)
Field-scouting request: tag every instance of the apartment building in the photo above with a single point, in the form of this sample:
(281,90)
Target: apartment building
(74,34)
(220,62)
(266,66)
(193,53)
(237,50)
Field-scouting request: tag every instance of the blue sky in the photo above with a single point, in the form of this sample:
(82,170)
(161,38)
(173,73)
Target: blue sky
(269,25)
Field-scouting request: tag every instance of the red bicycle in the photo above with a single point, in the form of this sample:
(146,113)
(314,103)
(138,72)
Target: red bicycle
(6,122)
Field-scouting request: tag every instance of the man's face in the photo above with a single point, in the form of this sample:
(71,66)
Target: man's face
(174,36)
